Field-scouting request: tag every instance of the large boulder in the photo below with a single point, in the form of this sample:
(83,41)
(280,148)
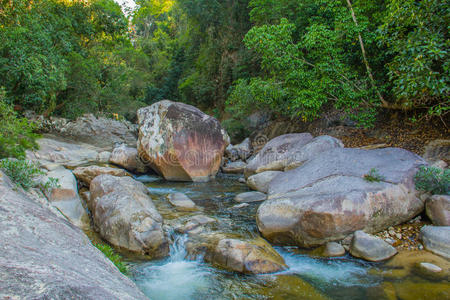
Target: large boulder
(125,215)
(249,256)
(43,256)
(290,151)
(438,209)
(65,197)
(128,158)
(260,182)
(180,142)
(436,239)
(330,196)
(87,174)
(234,167)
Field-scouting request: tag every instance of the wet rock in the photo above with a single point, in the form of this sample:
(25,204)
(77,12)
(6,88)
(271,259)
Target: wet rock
(194,223)
(87,174)
(180,142)
(430,267)
(65,197)
(250,197)
(238,206)
(290,287)
(436,239)
(241,180)
(328,198)
(411,290)
(370,248)
(260,182)
(43,256)
(333,249)
(128,158)
(125,215)
(240,151)
(235,167)
(240,255)
(438,209)
(182,202)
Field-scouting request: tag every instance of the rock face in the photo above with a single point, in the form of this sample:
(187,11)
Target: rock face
(370,248)
(328,198)
(438,210)
(65,152)
(102,132)
(45,257)
(87,174)
(245,256)
(128,158)
(289,151)
(240,151)
(125,215)
(182,202)
(437,150)
(250,197)
(260,182)
(180,142)
(65,197)
(436,239)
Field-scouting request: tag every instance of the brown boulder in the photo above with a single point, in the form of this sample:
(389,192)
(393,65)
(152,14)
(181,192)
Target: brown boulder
(87,174)
(180,142)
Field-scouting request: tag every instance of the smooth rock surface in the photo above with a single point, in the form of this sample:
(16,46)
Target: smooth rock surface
(43,256)
(260,182)
(125,215)
(239,255)
(180,142)
(87,174)
(438,209)
(436,239)
(250,197)
(65,197)
(182,202)
(370,248)
(333,249)
(235,167)
(128,158)
(327,198)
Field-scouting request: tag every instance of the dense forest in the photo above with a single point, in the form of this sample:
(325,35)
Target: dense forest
(294,58)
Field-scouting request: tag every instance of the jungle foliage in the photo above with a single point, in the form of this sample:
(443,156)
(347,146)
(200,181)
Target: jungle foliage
(293,58)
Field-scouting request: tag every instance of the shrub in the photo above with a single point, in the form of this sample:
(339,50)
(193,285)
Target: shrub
(23,173)
(373,176)
(16,134)
(433,180)
(113,256)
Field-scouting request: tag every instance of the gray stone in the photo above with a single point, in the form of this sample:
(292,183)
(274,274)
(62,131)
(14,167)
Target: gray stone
(182,202)
(43,256)
(328,198)
(238,206)
(428,267)
(370,248)
(333,249)
(195,223)
(87,174)
(260,182)
(128,158)
(250,197)
(438,209)
(125,215)
(65,197)
(240,151)
(235,167)
(436,239)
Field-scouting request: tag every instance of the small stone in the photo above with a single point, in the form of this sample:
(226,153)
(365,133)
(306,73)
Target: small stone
(242,205)
(430,267)
(398,235)
(182,202)
(391,232)
(241,180)
(370,248)
(389,241)
(250,197)
(333,249)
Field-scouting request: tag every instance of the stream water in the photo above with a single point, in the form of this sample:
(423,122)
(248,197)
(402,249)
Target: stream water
(308,276)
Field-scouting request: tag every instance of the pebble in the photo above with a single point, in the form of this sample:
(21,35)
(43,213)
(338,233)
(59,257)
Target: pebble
(430,267)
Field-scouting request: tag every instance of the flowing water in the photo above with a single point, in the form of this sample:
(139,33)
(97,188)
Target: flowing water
(308,276)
